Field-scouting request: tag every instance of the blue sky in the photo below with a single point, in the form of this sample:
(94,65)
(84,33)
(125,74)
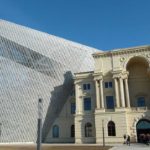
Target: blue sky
(103,24)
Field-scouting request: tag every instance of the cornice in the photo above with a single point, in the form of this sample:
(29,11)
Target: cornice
(84,75)
(98,75)
(121,51)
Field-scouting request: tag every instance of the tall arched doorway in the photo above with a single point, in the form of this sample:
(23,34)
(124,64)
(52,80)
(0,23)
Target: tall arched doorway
(142,129)
(139,82)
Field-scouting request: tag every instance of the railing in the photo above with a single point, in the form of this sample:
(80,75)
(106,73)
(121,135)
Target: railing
(139,108)
(133,109)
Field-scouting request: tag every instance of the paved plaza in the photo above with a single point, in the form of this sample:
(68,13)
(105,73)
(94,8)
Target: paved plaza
(131,147)
(74,147)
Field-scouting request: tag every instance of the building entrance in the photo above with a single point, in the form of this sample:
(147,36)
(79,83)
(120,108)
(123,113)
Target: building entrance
(143,130)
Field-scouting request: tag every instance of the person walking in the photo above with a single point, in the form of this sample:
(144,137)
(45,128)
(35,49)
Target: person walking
(128,140)
(124,136)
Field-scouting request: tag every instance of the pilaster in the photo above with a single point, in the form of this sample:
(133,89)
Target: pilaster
(122,92)
(78,98)
(98,77)
(116,92)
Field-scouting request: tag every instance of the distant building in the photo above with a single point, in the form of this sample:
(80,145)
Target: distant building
(89,95)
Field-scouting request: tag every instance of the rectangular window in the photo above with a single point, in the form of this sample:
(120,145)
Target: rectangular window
(108,85)
(86,86)
(110,102)
(72,93)
(141,102)
(73,108)
(87,103)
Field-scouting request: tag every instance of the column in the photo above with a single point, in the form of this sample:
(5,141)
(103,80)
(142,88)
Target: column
(78,110)
(127,92)
(116,92)
(101,92)
(97,94)
(121,92)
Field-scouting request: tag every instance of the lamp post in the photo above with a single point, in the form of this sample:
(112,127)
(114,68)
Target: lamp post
(103,132)
(39,131)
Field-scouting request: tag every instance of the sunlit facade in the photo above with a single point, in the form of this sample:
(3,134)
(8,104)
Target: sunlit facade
(89,95)
(118,94)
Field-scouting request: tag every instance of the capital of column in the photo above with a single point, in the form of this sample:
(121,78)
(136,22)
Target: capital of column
(120,74)
(125,75)
(97,78)
(116,76)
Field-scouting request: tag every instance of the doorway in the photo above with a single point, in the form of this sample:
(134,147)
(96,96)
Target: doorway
(142,129)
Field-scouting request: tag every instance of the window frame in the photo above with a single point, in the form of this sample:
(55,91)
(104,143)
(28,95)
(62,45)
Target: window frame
(72,108)
(55,129)
(72,131)
(88,130)
(108,84)
(108,96)
(139,103)
(111,128)
(87,107)
(86,86)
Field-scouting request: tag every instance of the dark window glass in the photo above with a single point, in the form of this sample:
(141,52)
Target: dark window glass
(73,108)
(106,84)
(110,84)
(55,131)
(110,102)
(143,124)
(141,102)
(88,130)
(72,93)
(111,129)
(86,86)
(72,131)
(87,103)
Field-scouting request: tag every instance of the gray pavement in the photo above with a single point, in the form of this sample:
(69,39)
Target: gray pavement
(131,147)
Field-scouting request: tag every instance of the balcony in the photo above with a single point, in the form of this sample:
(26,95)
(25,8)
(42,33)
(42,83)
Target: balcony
(139,109)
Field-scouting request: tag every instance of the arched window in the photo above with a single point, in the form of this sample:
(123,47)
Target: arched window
(88,130)
(72,131)
(111,129)
(55,131)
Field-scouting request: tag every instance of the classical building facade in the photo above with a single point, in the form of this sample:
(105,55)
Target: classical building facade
(114,99)
(89,95)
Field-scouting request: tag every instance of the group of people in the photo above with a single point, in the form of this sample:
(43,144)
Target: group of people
(126,139)
(144,138)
